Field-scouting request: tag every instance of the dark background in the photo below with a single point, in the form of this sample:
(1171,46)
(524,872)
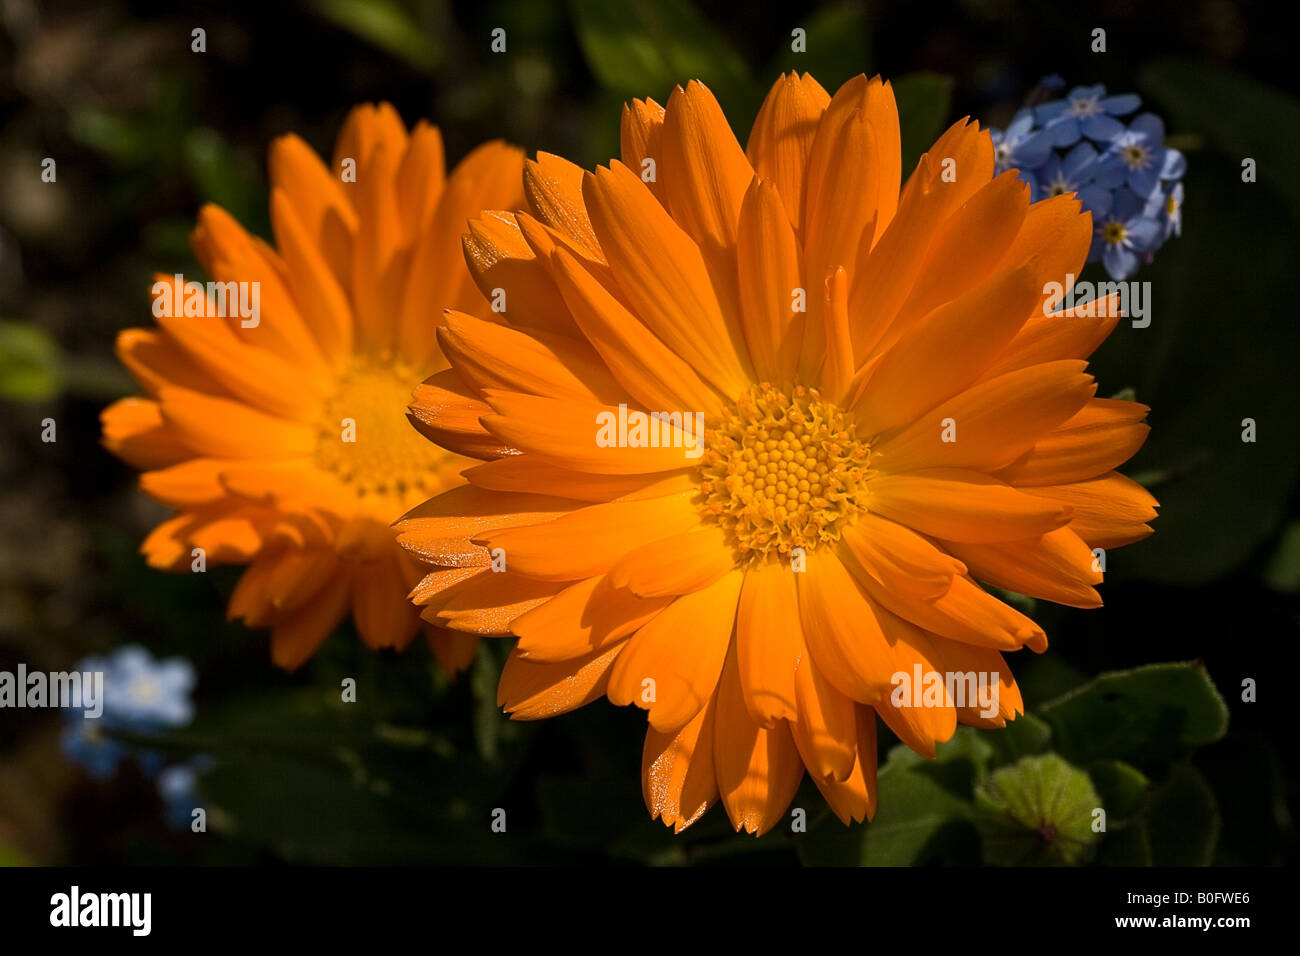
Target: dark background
(144,131)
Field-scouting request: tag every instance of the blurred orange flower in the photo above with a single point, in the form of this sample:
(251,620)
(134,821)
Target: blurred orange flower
(273,418)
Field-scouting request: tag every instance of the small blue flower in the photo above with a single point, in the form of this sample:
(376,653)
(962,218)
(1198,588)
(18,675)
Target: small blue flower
(1124,236)
(85,744)
(1166,207)
(1139,158)
(142,694)
(178,789)
(1076,172)
(1020,146)
(1085,111)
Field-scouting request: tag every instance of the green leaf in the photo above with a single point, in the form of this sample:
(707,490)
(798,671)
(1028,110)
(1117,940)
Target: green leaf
(837,44)
(923,103)
(1156,712)
(646,47)
(222,176)
(1022,737)
(30,367)
(1123,789)
(488,719)
(1038,811)
(388,26)
(1183,821)
(1283,571)
(924,810)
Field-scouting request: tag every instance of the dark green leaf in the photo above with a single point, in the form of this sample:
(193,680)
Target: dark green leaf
(1149,713)
(1183,821)
(387,25)
(837,44)
(1021,737)
(1123,788)
(29,363)
(646,47)
(923,103)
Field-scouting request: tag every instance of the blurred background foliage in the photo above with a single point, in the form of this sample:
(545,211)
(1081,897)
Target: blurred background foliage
(144,130)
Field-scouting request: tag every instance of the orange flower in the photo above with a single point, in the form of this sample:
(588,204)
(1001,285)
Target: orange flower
(889,417)
(274,422)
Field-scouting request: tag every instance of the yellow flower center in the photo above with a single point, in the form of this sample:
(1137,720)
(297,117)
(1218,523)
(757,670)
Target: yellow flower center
(364,439)
(782,470)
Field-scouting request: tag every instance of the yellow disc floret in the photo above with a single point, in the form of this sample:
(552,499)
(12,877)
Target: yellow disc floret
(364,439)
(782,470)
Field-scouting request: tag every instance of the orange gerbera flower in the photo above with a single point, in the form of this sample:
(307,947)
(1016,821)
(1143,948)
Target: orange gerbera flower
(889,417)
(275,422)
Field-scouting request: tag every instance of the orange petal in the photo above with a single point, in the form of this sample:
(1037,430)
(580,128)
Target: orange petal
(586,616)
(319,203)
(226,429)
(641,362)
(382,615)
(968,247)
(590,540)
(1104,434)
(674,565)
(446,411)
(553,187)
(825,730)
(769,645)
(512,276)
(840,627)
(586,437)
(677,771)
(532,690)
(663,276)
(640,135)
(963,506)
(942,353)
(295,638)
(993,423)
(854,798)
(758,769)
(782,138)
(704,171)
(490,177)
(770,272)
(1107,512)
(900,559)
(1055,567)
(488,355)
(134,430)
(669,675)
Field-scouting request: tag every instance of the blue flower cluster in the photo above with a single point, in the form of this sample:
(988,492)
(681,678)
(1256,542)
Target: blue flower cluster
(142,695)
(1123,173)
